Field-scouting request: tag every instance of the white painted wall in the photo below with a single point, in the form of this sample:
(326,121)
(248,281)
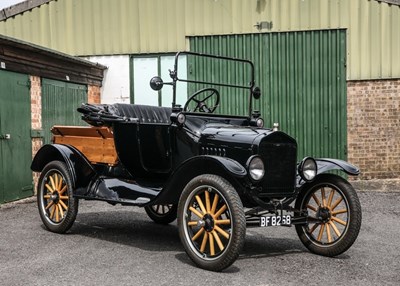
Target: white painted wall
(116,82)
(115,87)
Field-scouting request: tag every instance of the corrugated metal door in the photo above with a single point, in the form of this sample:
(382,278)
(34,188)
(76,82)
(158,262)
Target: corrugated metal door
(302,76)
(59,103)
(15,142)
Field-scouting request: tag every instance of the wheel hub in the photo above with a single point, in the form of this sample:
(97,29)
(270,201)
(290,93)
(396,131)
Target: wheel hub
(208,222)
(324,214)
(55,197)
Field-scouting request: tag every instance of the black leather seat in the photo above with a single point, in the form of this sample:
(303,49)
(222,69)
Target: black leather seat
(106,114)
(145,113)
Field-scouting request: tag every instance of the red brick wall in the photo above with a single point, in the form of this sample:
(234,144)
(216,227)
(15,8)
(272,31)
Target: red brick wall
(93,94)
(373,127)
(36,117)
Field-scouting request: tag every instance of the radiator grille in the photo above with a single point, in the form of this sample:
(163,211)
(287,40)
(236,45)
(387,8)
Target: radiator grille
(280,167)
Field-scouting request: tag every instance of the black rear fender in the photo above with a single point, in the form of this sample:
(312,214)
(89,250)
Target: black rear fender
(328,164)
(227,168)
(79,167)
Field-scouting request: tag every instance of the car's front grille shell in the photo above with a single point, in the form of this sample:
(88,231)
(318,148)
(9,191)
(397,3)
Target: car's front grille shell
(279,153)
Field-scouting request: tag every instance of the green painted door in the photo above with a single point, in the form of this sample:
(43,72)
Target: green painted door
(59,103)
(15,142)
(302,76)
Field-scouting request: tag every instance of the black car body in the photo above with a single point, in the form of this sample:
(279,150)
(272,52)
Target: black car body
(216,173)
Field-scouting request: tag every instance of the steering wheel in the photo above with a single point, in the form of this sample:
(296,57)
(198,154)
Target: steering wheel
(201,104)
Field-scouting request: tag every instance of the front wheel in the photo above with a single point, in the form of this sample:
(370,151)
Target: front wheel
(211,221)
(334,214)
(57,206)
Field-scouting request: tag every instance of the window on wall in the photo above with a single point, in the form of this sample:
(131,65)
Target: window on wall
(144,68)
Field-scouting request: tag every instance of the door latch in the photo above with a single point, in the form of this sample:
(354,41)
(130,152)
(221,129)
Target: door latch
(5,136)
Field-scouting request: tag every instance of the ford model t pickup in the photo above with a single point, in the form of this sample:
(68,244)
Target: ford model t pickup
(216,174)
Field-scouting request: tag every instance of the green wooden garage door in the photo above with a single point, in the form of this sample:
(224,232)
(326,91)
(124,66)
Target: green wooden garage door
(15,142)
(302,76)
(59,103)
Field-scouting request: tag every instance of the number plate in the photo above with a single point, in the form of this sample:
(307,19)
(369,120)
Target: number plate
(276,220)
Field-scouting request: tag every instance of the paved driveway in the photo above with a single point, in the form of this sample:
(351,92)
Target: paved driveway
(121,246)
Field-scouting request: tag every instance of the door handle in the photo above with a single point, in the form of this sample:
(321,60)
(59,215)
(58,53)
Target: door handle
(5,136)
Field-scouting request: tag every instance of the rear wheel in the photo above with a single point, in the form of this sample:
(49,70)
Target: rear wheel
(334,212)
(211,220)
(57,206)
(162,214)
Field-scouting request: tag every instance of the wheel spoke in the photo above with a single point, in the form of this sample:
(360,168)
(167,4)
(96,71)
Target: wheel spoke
(49,188)
(163,209)
(196,212)
(331,194)
(158,209)
(339,211)
(63,205)
(56,181)
(61,211)
(52,211)
(221,231)
(204,242)
(332,224)
(316,199)
(314,227)
(201,205)
(60,183)
(212,248)
(214,205)
(328,233)
(323,197)
(192,223)
(46,197)
(342,222)
(197,235)
(321,232)
(312,208)
(64,197)
(63,190)
(52,183)
(221,210)
(49,205)
(218,240)
(57,214)
(336,203)
(222,221)
(208,203)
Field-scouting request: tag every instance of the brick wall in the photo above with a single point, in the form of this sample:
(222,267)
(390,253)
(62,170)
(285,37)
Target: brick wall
(373,127)
(93,94)
(36,117)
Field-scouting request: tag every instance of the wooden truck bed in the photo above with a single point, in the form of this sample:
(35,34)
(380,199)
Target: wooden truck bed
(96,143)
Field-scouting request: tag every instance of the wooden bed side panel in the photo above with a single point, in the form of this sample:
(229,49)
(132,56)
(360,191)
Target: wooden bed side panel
(96,150)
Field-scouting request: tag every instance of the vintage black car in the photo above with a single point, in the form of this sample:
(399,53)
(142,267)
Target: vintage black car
(217,174)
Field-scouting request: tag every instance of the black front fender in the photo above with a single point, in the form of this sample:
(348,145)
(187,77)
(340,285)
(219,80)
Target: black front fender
(79,167)
(328,164)
(195,166)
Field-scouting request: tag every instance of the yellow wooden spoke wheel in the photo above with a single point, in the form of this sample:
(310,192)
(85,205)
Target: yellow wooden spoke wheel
(56,204)
(211,222)
(334,213)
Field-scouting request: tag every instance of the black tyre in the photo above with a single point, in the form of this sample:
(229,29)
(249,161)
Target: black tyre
(56,204)
(212,223)
(162,214)
(334,203)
